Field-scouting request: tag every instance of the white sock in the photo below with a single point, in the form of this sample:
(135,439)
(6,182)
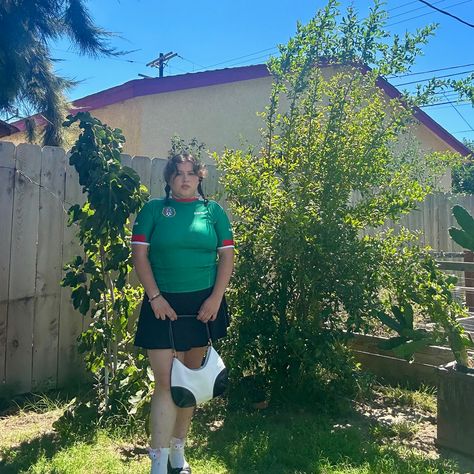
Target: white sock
(177,453)
(159,460)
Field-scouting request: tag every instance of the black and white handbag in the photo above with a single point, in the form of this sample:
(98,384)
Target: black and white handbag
(190,387)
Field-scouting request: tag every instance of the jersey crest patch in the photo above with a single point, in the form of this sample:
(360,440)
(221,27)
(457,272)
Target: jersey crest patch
(169,211)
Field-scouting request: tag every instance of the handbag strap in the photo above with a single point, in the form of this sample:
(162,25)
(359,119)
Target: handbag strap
(209,339)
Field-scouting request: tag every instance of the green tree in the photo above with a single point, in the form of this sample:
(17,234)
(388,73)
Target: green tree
(463,173)
(335,159)
(27,78)
(98,277)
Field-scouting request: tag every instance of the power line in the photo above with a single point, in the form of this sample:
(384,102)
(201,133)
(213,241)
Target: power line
(447,13)
(438,77)
(240,57)
(136,62)
(431,70)
(462,116)
(192,62)
(424,14)
(401,6)
(444,103)
(414,10)
(243,63)
(170,68)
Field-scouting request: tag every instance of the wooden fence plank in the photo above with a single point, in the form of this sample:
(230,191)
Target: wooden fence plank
(429,223)
(49,269)
(142,165)
(455,266)
(7,187)
(23,269)
(450,202)
(70,365)
(126,160)
(440,221)
(211,183)
(157,182)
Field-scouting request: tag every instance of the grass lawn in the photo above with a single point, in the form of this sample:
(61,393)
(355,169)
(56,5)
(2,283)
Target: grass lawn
(239,441)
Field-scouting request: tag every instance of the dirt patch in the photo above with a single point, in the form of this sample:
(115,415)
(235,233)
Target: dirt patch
(410,427)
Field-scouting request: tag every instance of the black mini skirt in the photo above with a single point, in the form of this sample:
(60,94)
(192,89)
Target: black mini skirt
(153,333)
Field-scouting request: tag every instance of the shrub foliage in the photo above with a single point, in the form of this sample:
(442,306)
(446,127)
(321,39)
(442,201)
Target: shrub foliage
(336,158)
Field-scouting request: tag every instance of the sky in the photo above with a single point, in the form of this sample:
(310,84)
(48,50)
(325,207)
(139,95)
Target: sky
(211,34)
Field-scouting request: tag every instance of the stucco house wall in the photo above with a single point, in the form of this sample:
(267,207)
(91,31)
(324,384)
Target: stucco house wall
(219,108)
(219,115)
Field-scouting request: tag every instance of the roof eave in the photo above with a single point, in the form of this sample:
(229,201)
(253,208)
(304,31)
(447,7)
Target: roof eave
(7,129)
(426,120)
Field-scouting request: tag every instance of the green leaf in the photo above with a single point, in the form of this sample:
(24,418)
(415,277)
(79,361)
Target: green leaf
(464,219)
(462,238)
(391,343)
(388,321)
(408,349)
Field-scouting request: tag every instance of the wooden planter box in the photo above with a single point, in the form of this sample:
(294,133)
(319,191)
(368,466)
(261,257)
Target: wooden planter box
(392,369)
(455,410)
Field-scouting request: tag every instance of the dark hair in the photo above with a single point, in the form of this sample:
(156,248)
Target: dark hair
(171,169)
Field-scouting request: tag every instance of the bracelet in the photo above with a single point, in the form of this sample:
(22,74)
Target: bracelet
(154,297)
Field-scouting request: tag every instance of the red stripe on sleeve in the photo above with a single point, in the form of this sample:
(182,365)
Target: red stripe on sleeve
(225,243)
(139,238)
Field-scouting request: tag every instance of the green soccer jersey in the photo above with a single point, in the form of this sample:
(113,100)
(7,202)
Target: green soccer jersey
(184,236)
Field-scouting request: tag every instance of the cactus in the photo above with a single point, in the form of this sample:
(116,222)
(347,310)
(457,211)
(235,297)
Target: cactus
(464,236)
(409,340)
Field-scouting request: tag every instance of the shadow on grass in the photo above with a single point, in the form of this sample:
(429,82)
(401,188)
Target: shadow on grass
(301,442)
(22,457)
(294,441)
(68,431)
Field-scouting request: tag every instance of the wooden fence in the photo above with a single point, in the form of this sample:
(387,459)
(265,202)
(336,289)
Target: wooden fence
(38,326)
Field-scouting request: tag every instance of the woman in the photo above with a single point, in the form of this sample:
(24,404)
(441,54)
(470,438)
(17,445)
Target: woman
(183,254)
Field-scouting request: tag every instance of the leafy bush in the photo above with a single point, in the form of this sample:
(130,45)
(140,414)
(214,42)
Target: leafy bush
(336,157)
(463,173)
(98,277)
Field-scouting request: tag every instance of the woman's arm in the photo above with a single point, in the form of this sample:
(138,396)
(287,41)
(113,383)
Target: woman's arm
(140,260)
(225,266)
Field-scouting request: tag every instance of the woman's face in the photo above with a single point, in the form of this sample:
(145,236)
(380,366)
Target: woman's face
(185,182)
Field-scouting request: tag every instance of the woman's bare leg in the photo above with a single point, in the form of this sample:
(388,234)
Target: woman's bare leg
(163,410)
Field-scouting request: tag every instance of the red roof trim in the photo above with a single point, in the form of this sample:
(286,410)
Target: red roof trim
(21,126)
(426,120)
(7,129)
(143,87)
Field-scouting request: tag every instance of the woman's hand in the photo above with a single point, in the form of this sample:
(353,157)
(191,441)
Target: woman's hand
(209,309)
(162,309)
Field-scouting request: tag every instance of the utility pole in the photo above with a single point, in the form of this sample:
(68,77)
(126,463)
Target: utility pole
(161,60)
